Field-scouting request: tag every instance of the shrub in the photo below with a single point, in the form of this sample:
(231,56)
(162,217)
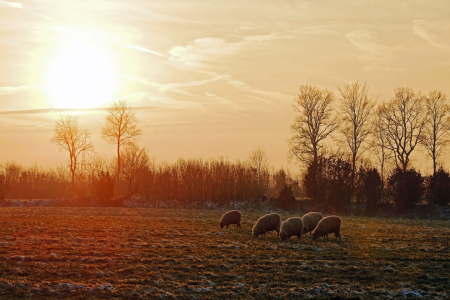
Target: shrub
(406,188)
(330,184)
(104,187)
(439,188)
(371,188)
(3,187)
(286,199)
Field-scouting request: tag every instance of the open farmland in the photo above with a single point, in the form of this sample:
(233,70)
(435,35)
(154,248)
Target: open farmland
(134,253)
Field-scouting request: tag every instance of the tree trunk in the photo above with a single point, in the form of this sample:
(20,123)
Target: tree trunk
(118,162)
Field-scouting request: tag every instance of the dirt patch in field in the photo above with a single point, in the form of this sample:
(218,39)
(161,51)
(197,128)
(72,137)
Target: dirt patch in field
(125,253)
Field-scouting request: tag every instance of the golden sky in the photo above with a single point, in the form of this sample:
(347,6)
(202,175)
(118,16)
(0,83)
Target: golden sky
(207,78)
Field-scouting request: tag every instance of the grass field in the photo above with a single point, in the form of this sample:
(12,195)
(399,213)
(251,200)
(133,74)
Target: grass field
(80,253)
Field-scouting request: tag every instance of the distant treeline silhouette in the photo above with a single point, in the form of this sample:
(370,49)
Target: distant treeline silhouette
(218,180)
(371,167)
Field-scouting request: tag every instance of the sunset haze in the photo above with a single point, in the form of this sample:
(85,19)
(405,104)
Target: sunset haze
(205,78)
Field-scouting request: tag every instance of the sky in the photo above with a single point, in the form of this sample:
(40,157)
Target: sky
(206,78)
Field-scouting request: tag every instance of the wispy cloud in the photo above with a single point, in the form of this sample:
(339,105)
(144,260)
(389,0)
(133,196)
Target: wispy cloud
(202,49)
(374,51)
(46,18)
(144,50)
(177,85)
(222,100)
(11,4)
(421,28)
(144,100)
(143,81)
(247,36)
(7,90)
(243,86)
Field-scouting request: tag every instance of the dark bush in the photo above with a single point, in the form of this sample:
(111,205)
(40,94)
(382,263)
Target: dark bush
(104,187)
(329,184)
(406,188)
(286,199)
(371,189)
(3,187)
(439,188)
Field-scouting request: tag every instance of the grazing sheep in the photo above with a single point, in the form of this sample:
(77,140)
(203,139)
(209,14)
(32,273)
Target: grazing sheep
(267,223)
(231,217)
(290,227)
(331,224)
(310,221)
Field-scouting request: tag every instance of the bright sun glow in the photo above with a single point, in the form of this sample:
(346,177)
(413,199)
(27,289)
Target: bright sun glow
(81,75)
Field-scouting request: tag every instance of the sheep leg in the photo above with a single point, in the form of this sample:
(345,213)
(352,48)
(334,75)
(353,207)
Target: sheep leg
(337,235)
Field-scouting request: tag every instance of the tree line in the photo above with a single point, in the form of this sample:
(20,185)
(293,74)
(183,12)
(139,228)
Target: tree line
(132,173)
(351,148)
(370,136)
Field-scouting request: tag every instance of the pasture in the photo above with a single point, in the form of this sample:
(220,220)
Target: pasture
(107,253)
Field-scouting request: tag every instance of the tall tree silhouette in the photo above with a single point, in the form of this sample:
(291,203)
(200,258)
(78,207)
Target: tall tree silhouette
(71,137)
(402,122)
(313,123)
(356,108)
(436,136)
(120,127)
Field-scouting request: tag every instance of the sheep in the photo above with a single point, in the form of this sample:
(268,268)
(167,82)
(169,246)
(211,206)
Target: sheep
(331,224)
(266,223)
(231,217)
(290,227)
(310,221)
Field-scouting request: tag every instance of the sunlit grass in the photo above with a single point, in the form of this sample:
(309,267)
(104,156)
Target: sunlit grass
(118,252)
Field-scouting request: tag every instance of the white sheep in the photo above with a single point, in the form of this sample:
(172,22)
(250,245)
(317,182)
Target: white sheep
(331,224)
(267,223)
(231,217)
(290,227)
(310,221)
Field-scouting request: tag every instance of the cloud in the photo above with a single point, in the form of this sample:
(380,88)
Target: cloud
(423,29)
(144,100)
(177,85)
(202,49)
(47,110)
(243,86)
(143,81)
(222,100)
(144,50)
(374,52)
(207,49)
(11,4)
(7,90)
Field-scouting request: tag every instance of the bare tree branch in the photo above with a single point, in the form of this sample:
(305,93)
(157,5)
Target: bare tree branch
(436,137)
(356,109)
(71,137)
(402,121)
(313,123)
(120,127)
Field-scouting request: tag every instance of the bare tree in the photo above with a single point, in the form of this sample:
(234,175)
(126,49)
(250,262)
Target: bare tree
(356,107)
(71,137)
(378,145)
(402,122)
(260,164)
(120,127)
(313,123)
(258,160)
(436,136)
(135,163)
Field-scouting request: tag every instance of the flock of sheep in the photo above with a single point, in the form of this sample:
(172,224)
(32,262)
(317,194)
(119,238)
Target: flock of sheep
(292,226)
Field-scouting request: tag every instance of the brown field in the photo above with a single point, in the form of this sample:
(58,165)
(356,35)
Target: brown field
(80,253)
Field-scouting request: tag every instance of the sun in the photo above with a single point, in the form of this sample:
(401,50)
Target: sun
(81,75)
